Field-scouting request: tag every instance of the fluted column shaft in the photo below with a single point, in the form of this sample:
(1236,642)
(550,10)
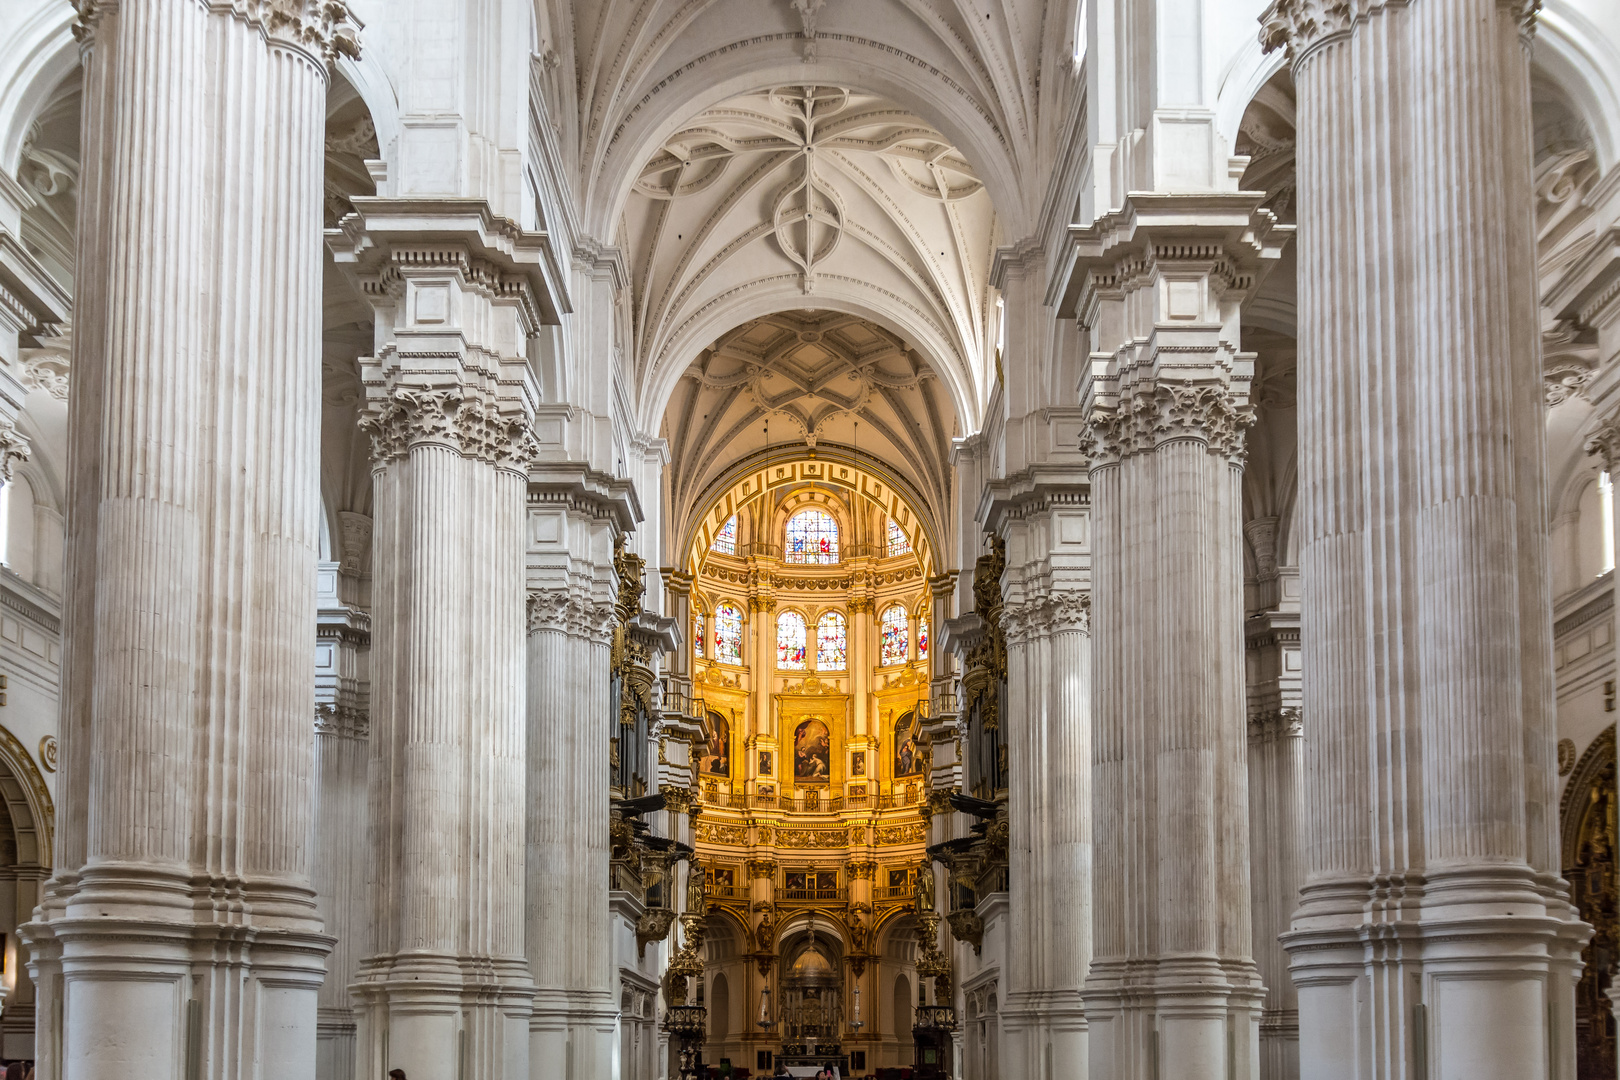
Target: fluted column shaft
(1276,809)
(445,989)
(182,913)
(570,723)
(1429,749)
(1172,990)
(1048,729)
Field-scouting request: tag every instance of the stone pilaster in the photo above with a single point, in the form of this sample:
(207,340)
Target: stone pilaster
(181,914)
(1172,989)
(445,988)
(1434,937)
(1046,614)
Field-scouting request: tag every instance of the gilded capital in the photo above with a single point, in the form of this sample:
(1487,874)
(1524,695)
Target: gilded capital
(862,869)
(762,868)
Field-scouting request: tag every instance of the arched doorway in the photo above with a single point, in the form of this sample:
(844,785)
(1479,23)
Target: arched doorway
(27,827)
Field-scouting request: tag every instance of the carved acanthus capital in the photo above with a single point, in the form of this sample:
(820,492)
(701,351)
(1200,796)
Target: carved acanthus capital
(548,610)
(354,541)
(679,800)
(342,721)
(13,448)
(324,28)
(459,418)
(861,869)
(762,868)
(1272,725)
(1605,442)
(1298,26)
(1070,612)
(1152,414)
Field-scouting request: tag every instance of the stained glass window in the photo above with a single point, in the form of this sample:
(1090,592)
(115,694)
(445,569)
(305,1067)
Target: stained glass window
(812,537)
(922,638)
(697,635)
(832,644)
(725,541)
(728,634)
(790,632)
(893,643)
(898,544)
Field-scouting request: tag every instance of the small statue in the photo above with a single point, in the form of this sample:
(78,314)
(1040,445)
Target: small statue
(697,900)
(925,886)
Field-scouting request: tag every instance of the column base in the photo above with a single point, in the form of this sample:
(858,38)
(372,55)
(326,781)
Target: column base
(1473,977)
(1279,1044)
(573,1035)
(1044,1035)
(335,1044)
(436,1014)
(1190,1017)
(132,982)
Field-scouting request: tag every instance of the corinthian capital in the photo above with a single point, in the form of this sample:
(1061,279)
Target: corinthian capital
(323,28)
(13,448)
(1298,26)
(548,610)
(467,421)
(1604,442)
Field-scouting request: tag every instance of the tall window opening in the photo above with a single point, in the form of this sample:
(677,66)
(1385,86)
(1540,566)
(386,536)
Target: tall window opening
(725,541)
(812,537)
(922,637)
(1606,496)
(898,544)
(728,634)
(894,646)
(790,634)
(832,643)
(697,634)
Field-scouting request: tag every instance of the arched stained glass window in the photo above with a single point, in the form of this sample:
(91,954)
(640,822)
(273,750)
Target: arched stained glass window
(725,541)
(898,544)
(790,634)
(832,642)
(893,638)
(922,638)
(697,634)
(728,634)
(812,537)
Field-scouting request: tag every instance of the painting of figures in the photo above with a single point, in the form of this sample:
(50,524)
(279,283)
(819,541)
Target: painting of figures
(812,751)
(717,754)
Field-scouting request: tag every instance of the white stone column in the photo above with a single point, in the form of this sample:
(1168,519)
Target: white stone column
(445,989)
(1434,937)
(342,754)
(181,924)
(1046,614)
(1172,990)
(573,1033)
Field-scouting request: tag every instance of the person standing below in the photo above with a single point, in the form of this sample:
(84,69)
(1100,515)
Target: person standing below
(396,1074)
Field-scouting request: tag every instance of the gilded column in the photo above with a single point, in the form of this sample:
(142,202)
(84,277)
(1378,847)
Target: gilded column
(1173,989)
(445,988)
(181,924)
(1434,937)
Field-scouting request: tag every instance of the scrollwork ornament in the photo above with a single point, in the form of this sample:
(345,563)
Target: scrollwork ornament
(1299,26)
